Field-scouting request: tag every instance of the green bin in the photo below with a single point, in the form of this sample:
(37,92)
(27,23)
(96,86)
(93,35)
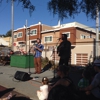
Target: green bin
(22,61)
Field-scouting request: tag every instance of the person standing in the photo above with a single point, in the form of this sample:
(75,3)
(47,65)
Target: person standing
(64,50)
(37,56)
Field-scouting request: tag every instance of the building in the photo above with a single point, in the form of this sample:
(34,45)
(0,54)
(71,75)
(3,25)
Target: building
(81,37)
(27,36)
(5,45)
(8,40)
(3,42)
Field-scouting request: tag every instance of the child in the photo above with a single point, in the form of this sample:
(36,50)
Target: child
(84,82)
(43,92)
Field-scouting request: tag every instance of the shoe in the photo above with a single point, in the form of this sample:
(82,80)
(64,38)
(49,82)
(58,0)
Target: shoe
(35,78)
(39,73)
(42,71)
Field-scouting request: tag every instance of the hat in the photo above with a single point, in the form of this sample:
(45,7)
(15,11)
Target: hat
(97,62)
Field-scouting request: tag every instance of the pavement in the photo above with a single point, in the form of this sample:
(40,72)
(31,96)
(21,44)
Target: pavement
(27,88)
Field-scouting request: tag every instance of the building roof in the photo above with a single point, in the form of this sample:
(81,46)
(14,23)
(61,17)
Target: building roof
(66,25)
(72,24)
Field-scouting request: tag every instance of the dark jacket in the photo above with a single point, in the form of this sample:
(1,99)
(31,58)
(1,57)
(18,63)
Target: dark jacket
(64,49)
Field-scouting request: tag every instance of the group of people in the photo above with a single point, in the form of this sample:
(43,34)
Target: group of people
(62,69)
(5,59)
(90,84)
(46,90)
(63,50)
(64,89)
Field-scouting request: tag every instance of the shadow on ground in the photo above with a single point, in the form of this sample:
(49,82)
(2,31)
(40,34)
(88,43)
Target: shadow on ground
(5,91)
(20,98)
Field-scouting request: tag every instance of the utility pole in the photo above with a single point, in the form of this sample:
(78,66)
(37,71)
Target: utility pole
(12,22)
(97,30)
(26,35)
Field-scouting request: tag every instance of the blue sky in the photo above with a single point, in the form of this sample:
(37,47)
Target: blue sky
(41,13)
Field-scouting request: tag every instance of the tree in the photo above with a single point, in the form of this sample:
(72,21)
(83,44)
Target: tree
(2,35)
(8,33)
(68,8)
(25,4)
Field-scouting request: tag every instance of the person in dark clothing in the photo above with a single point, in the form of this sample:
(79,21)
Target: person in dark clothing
(65,81)
(11,52)
(6,60)
(64,50)
(61,92)
(63,73)
(46,67)
(94,87)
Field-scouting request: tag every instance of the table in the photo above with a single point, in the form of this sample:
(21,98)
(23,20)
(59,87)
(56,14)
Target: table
(22,61)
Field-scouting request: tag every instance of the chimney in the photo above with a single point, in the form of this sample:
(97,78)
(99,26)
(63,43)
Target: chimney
(58,22)
(39,23)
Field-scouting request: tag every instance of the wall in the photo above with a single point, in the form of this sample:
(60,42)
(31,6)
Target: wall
(82,46)
(46,27)
(72,31)
(84,32)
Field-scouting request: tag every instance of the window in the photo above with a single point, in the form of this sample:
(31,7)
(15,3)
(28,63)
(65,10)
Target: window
(33,32)
(83,36)
(21,42)
(34,42)
(91,35)
(87,36)
(15,36)
(67,33)
(19,34)
(48,39)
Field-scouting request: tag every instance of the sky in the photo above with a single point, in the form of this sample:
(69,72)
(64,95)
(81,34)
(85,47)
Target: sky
(41,13)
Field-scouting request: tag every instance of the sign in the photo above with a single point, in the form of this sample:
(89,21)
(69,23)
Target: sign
(14,44)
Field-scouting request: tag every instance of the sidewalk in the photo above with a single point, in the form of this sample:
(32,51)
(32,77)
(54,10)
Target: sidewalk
(27,88)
